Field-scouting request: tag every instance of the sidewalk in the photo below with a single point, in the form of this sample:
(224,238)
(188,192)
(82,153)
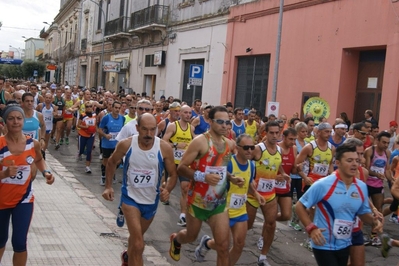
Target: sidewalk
(70,226)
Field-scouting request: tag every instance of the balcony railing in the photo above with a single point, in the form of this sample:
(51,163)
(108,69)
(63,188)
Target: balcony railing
(116,26)
(83,44)
(156,14)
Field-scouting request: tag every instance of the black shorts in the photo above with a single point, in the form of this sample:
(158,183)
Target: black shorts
(357,238)
(284,195)
(375,190)
(394,205)
(55,120)
(182,178)
(107,152)
(331,257)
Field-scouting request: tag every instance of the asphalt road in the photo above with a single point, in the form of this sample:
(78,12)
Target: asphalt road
(286,249)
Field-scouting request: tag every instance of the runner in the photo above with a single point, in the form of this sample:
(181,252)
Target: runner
(179,134)
(202,122)
(196,110)
(242,166)
(4,95)
(141,182)
(37,98)
(21,157)
(48,110)
(238,121)
(87,133)
(268,159)
(331,229)
(252,127)
(378,166)
(205,163)
(67,118)
(108,129)
(33,120)
(283,189)
(58,119)
(320,153)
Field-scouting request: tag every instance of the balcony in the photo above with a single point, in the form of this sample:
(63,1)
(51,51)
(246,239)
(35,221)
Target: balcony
(151,18)
(116,27)
(43,34)
(83,44)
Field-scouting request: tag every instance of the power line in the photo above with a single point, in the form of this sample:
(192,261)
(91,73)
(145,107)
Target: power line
(17,28)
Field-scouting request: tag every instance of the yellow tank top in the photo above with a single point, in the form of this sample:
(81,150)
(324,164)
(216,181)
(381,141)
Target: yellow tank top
(266,171)
(251,129)
(128,119)
(309,139)
(237,196)
(181,136)
(319,162)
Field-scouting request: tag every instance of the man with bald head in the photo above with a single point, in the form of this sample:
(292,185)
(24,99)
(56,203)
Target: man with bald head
(141,188)
(179,134)
(17,96)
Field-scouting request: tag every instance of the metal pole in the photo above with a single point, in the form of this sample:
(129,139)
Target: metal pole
(102,48)
(193,95)
(277,61)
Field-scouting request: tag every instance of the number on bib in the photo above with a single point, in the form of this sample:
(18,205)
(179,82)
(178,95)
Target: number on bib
(237,200)
(219,170)
(265,185)
(320,169)
(113,136)
(179,154)
(281,184)
(139,178)
(342,229)
(20,178)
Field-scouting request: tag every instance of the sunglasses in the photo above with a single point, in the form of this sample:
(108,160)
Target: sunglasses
(247,147)
(87,106)
(132,107)
(146,109)
(129,100)
(221,121)
(362,132)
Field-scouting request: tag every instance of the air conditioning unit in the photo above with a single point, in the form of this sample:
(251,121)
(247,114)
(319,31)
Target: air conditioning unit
(125,64)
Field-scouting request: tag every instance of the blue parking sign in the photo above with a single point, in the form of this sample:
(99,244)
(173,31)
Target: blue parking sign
(195,75)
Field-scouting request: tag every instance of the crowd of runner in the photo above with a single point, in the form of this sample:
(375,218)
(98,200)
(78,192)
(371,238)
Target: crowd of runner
(229,161)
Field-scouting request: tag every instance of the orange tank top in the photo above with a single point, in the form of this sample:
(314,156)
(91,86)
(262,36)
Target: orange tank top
(16,189)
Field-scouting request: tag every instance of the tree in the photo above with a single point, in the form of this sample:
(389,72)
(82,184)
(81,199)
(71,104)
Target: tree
(29,66)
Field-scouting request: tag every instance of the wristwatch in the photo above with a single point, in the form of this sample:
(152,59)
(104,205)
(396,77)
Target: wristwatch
(45,171)
(175,145)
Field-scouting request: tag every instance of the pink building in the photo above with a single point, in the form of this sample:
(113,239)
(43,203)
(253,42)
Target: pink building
(344,51)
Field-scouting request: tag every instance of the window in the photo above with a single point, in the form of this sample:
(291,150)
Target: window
(100,15)
(122,8)
(149,60)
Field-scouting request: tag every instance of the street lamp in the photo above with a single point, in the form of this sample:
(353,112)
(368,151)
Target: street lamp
(59,52)
(19,52)
(34,47)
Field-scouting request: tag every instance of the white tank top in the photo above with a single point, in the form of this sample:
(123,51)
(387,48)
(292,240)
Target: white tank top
(48,117)
(143,175)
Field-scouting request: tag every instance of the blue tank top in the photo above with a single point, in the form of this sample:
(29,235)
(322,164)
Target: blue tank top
(202,127)
(164,130)
(31,126)
(111,125)
(238,129)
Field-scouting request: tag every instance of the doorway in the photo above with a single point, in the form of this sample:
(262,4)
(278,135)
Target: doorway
(149,86)
(190,93)
(251,83)
(369,83)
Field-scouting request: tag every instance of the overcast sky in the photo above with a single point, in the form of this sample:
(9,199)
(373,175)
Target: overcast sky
(24,18)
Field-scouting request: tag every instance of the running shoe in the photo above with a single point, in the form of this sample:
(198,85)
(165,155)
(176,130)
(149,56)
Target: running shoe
(61,141)
(308,245)
(100,157)
(375,241)
(52,140)
(114,180)
(120,218)
(174,250)
(295,226)
(102,181)
(57,146)
(124,258)
(263,262)
(201,249)
(67,141)
(394,219)
(78,157)
(165,202)
(88,170)
(366,240)
(260,243)
(385,247)
(182,222)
